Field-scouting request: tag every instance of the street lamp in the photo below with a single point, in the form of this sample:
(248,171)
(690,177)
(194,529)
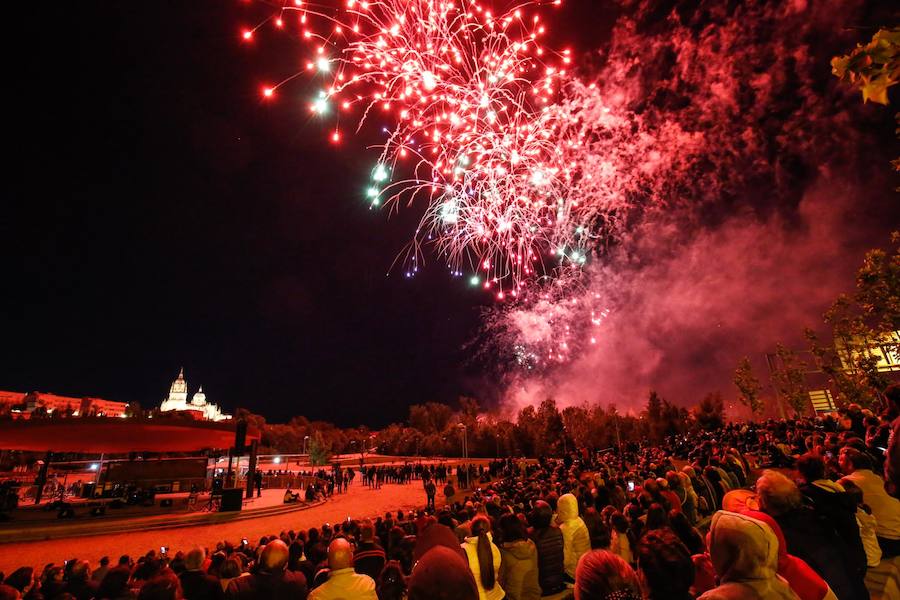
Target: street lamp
(465,450)
(305,439)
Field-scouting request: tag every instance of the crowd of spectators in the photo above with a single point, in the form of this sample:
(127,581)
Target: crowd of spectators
(786,509)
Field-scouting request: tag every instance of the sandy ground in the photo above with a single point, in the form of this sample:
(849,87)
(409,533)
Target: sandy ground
(359,502)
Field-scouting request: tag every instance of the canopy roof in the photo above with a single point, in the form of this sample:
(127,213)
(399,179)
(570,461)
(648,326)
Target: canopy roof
(117,436)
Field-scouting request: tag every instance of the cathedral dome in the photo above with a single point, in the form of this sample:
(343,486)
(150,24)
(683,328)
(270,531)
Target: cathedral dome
(199,398)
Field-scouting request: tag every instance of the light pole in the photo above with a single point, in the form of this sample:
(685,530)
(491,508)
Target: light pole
(619,442)
(305,440)
(465,450)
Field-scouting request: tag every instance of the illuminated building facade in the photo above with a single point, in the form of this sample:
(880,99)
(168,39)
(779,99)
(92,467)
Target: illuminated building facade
(198,406)
(25,404)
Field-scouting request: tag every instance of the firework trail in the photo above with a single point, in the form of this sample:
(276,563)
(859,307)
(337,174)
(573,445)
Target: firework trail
(518,163)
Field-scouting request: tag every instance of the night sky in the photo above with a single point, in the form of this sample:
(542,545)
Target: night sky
(161,215)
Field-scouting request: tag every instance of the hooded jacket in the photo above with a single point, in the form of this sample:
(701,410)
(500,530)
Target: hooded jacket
(576,540)
(519,570)
(744,554)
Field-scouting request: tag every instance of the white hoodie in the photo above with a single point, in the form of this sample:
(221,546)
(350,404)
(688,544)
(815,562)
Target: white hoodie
(576,540)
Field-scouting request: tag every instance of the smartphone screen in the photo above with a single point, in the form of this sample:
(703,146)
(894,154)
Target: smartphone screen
(630,486)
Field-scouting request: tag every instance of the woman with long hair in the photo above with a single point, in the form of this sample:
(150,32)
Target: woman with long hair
(656,518)
(484,559)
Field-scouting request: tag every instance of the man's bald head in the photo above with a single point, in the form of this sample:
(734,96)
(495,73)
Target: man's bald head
(340,554)
(274,556)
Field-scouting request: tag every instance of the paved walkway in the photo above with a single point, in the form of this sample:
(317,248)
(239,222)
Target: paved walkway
(359,502)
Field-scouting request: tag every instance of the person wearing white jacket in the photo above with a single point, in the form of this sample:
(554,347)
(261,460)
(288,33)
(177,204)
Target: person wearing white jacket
(576,540)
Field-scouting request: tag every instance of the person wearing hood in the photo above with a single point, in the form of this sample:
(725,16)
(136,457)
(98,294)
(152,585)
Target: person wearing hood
(484,559)
(519,561)
(744,554)
(576,540)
